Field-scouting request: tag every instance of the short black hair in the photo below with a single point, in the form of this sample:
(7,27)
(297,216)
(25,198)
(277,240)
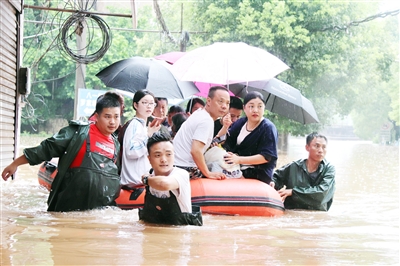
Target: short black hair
(177,121)
(175,109)
(108,100)
(120,97)
(192,102)
(156,138)
(314,135)
(161,99)
(236,103)
(213,89)
(253,95)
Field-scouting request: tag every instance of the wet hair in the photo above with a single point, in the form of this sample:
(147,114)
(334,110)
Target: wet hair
(120,97)
(175,109)
(177,120)
(157,137)
(192,102)
(139,95)
(253,95)
(236,103)
(108,100)
(212,90)
(161,99)
(110,93)
(314,135)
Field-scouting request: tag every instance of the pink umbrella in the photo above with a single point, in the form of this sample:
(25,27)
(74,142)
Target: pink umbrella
(204,87)
(170,57)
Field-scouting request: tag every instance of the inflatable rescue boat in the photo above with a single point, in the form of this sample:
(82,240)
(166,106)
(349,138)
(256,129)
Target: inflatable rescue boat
(246,197)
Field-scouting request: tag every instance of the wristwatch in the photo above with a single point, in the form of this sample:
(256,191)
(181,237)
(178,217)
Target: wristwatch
(145,180)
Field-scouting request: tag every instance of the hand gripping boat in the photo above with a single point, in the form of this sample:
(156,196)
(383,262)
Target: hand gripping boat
(246,197)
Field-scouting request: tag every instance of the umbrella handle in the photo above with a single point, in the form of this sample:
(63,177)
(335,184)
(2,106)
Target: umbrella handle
(190,106)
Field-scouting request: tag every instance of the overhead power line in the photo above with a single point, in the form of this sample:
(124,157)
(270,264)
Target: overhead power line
(74,11)
(116,28)
(358,22)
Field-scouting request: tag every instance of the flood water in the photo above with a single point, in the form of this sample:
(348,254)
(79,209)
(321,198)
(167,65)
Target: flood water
(361,228)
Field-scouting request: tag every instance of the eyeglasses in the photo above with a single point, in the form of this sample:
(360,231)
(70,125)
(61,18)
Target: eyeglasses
(149,104)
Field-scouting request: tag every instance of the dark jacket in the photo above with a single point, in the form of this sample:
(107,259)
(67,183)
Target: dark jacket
(307,193)
(64,145)
(262,140)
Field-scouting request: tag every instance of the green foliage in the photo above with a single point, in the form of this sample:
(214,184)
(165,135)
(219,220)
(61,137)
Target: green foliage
(333,68)
(50,72)
(353,71)
(40,134)
(53,73)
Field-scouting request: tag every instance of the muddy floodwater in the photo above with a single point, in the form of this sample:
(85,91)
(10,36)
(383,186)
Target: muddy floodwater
(361,228)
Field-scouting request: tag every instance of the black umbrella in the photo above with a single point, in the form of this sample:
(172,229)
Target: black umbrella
(281,98)
(139,73)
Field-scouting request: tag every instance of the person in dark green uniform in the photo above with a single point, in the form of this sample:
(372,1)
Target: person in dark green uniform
(307,183)
(168,193)
(87,176)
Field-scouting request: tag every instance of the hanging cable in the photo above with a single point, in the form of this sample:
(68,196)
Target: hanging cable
(161,20)
(74,26)
(358,22)
(82,5)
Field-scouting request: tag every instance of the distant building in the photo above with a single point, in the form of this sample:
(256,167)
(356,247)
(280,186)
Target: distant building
(342,128)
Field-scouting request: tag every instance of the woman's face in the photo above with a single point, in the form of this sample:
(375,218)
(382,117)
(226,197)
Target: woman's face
(170,115)
(145,107)
(196,106)
(254,109)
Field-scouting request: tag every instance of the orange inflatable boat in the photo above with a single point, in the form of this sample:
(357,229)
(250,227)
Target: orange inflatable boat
(247,197)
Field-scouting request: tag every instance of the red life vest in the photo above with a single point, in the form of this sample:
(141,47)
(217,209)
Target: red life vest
(99,143)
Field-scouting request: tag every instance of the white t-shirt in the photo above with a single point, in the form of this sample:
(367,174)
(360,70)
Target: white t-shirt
(244,132)
(199,126)
(134,156)
(182,194)
(242,135)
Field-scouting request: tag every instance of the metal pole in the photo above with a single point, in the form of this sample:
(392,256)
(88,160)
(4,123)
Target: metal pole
(74,11)
(80,72)
(134,19)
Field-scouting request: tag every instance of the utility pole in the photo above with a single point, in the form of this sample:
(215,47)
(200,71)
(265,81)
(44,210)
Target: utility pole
(80,72)
(184,39)
(134,18)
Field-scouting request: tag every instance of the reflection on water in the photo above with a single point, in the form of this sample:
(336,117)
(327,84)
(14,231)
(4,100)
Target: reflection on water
(361,228)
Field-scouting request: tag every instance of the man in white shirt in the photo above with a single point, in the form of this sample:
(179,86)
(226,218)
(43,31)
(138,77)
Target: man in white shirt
(197,132)
(168,193)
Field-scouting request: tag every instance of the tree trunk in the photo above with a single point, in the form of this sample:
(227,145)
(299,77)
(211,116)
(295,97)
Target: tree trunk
(283,142)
